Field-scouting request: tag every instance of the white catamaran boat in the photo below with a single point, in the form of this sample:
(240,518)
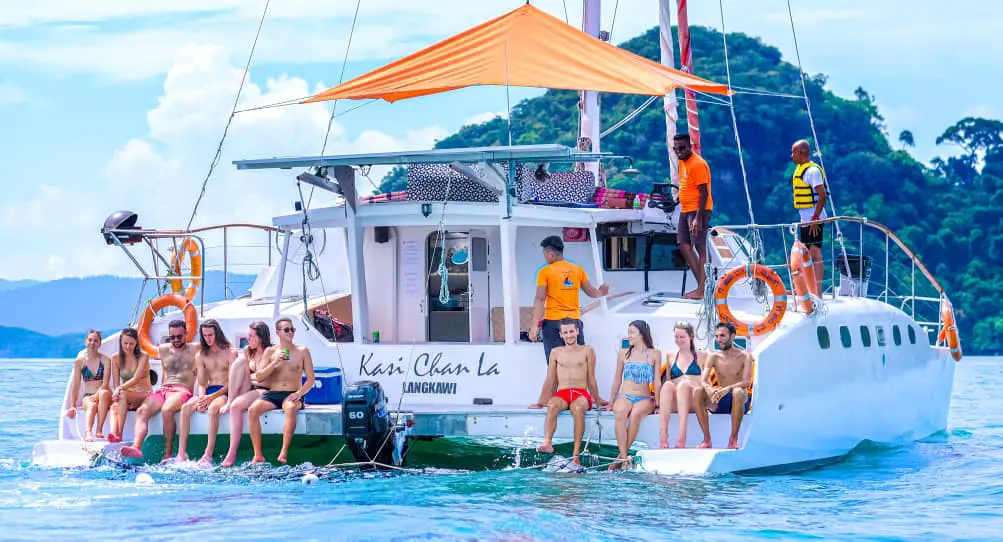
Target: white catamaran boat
(437,282)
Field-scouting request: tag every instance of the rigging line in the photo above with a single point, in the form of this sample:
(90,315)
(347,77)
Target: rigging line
(612,24)
(734,122)
(770,94)
(630,116)
(283,103)
(567,20)
(334,106)
(818,147)
(226,129)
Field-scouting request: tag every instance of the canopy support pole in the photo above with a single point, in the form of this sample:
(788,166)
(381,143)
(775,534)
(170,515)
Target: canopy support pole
(590,124)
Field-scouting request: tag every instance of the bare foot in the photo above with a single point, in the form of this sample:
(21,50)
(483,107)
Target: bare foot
(182,456)
(705,444)
(228,461)
(695,294)
(281,458)
(88,437)
(258,459)
(733,443)
(99,436)
(206,460)
(131,452)
(167,459)
(113,438)
(536,405)
(545,448)
(575,461)
(619,463)
(663,443)
(681,443)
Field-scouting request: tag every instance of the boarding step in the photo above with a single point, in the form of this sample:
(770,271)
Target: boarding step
(681,461)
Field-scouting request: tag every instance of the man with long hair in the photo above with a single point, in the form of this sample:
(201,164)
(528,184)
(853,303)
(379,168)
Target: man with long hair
(212,367)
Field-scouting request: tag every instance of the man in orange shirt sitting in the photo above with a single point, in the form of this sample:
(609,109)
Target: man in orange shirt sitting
(557,287)
(696,203)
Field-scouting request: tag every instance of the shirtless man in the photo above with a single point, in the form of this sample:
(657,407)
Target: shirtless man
(212,367)
(178,361)
(284,366)
(734,376)
(572,369)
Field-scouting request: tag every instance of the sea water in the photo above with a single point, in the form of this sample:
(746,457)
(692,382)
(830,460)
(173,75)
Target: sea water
(947,486)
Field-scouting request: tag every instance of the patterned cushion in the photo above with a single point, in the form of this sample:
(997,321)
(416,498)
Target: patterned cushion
(571,187)
(427,182)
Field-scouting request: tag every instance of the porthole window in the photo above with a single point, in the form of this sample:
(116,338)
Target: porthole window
(897,335)
(881,335)
(912,334)
(865,336)
(823,337)
(844,336)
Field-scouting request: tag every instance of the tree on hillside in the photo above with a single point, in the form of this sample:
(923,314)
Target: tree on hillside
(906,139)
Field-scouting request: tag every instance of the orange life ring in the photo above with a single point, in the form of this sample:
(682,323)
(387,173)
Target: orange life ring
(146,320)
(771,279)
(190,246)
(949,331)
(803,276)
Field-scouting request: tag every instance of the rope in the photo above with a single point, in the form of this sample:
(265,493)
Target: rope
(567,20)
(818,147)
(630,116)
(758,288)
(233,112)
(334,106)
(612,25)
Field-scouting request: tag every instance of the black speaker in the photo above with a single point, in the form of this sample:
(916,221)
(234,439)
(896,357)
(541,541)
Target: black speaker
(382,234)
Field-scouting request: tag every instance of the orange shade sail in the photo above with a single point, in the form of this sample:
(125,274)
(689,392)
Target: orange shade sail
(523,48)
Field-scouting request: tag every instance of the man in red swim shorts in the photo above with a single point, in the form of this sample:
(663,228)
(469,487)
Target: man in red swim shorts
(572,369)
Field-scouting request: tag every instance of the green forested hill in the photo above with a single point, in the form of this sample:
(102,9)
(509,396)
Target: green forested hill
(949,213)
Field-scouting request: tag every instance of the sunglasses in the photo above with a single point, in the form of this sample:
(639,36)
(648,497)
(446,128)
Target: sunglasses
(677,148)
(177,337)
(288,330)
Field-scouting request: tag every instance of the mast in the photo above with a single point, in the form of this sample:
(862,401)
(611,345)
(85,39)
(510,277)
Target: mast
(590,125)
(686,57)
(670,103)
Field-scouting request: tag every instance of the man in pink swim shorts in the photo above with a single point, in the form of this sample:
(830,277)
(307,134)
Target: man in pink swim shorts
(178,359)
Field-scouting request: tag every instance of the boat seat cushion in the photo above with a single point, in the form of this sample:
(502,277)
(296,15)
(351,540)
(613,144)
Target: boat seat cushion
(568,186)
(427,182)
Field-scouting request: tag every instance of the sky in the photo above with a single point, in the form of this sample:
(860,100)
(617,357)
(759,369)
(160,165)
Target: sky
(121,104)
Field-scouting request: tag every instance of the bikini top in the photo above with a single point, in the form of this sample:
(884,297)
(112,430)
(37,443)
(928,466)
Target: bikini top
(693,369)
(89,376)
(639,372)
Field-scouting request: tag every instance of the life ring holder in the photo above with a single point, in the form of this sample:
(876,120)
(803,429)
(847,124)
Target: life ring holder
(803,277)
(158,304)
(771,279)
(949,330)
(190,246)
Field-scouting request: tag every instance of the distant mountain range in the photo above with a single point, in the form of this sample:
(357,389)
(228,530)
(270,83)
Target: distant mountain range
(48,319)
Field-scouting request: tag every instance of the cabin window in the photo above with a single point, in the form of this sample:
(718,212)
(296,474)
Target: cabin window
(881,335)
(897,335)
(844,336)
(628,253)
(912,334)
(740,343)
(865,336)
(823,337)
(242,342)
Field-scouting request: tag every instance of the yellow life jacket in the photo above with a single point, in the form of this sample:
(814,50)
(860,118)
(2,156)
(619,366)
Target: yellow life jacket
(804,195)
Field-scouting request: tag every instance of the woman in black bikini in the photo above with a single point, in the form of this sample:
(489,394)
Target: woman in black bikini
(89,367)
(244,385)
(682,383)
(131,379)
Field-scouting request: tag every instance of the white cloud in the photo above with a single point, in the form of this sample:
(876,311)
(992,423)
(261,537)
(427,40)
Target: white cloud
(10,94)
(485,117)
(160,175)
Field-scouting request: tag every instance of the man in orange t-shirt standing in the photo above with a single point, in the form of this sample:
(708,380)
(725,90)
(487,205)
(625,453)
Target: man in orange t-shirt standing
(557,287)
(696,203)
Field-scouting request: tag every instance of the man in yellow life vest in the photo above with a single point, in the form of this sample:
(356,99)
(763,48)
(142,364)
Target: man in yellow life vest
(810,196)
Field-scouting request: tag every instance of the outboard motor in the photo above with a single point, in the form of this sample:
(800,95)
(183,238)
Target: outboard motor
(116,223)
(365,423)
